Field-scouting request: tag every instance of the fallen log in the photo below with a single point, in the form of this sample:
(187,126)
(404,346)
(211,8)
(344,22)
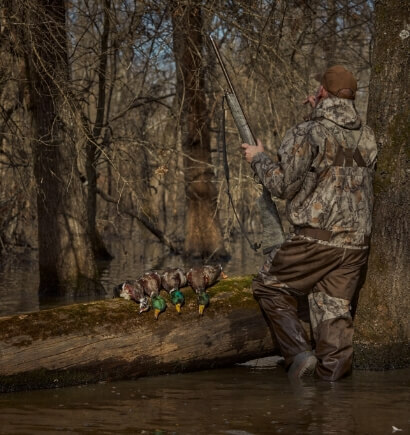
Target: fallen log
(110,340)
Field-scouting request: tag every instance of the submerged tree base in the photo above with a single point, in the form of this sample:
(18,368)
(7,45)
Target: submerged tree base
(369,356)
(110,340)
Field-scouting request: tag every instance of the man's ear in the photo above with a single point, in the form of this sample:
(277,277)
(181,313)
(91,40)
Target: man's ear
(323,92)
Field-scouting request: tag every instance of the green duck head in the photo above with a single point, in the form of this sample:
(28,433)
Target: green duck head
(178,299)
(158,304)
(203,302)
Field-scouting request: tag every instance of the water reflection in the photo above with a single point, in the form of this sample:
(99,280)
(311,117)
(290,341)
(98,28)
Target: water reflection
(253,398)
(19,279)
(19,282)
(238,400)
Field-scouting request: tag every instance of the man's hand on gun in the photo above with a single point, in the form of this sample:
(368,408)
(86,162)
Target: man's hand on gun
(250,151)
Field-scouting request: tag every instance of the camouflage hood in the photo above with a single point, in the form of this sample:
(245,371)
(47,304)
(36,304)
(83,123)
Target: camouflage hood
(341,111)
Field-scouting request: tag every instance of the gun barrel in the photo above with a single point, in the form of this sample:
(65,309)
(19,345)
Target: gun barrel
(234,104)
(221,63)
(270,218)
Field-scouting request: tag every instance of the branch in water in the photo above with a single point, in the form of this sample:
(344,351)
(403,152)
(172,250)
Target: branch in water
(144,220)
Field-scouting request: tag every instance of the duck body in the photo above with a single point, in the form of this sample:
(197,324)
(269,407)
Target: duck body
(172,280)
(151,284)
(200,278)
(132,290)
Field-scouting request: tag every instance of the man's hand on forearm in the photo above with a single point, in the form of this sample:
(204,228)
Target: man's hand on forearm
(250,151)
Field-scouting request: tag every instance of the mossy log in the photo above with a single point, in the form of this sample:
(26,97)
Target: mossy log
(110,340)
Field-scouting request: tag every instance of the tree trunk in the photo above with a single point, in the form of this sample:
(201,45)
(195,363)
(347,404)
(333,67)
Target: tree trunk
(109,340)
(92,150)
(203,236)
(66,260)
(382,329)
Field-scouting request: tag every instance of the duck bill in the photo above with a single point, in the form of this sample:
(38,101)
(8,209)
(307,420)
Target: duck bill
(156,313)
(178,308)
(201,309)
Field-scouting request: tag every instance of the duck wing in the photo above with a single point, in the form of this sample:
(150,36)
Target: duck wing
(200,278)
(196,279)
(212,274)
(136,289)
(181,277)
(151,283)
(127,290)
(173,279)
(132,290)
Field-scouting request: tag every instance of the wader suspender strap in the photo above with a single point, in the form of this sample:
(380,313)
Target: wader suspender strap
(345,156)
(255,246)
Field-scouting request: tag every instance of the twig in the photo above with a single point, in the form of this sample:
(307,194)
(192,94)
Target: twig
(142,219)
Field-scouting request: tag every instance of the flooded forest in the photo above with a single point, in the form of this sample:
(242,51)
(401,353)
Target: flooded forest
(112,134)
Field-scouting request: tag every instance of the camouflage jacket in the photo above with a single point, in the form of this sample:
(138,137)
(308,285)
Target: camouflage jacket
(323,189)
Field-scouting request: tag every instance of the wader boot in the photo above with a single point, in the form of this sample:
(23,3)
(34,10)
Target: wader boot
(304,364)
(279,309)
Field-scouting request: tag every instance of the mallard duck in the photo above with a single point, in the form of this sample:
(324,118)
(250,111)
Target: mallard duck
(132,290)
(151,283)
(200,278)
(172,280)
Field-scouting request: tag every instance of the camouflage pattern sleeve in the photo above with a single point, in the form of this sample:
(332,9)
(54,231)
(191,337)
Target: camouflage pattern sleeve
(368,147)
(285,177)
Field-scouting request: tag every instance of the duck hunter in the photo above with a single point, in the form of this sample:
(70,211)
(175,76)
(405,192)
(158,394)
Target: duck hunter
(324,170)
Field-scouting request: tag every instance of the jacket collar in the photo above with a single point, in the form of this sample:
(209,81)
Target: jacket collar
(341,111)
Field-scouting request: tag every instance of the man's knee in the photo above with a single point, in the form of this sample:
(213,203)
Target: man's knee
(258,288)
(261,289)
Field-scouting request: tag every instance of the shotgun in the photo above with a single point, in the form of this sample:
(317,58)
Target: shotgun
(272,227)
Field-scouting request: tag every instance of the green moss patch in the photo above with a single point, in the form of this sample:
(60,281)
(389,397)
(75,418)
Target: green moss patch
(112,315)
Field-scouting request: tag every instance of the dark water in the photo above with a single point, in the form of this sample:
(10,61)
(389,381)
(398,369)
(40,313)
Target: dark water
(240,400)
